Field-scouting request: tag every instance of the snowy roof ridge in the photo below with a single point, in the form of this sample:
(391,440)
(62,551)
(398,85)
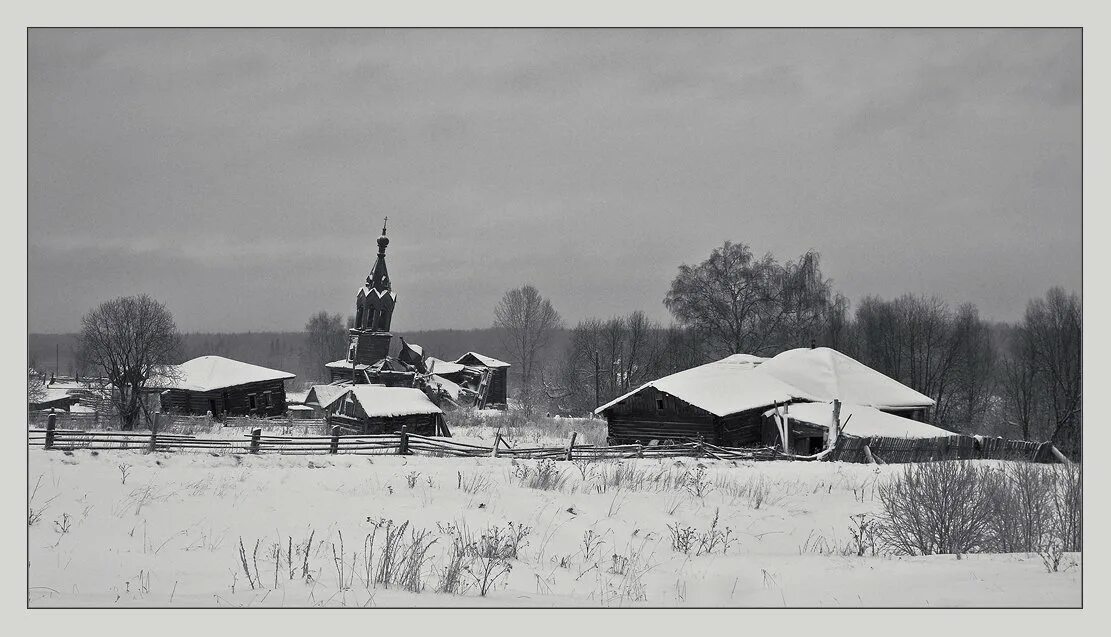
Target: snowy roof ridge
(829,374)
(721,389)
(206,373)
(488,361)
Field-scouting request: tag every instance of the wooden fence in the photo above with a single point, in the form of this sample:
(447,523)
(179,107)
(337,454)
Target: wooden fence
(848,448)
(255,442)
(174,423)
(897,450)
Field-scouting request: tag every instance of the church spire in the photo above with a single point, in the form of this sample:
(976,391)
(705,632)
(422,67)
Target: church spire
(379,279)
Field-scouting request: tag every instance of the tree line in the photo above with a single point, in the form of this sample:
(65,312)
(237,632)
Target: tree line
(1017,380)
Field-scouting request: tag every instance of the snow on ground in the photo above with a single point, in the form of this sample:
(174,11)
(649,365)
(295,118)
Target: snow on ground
(133,529)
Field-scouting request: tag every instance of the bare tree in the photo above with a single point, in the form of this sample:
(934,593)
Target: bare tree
(742,304)
(325,339)
(527,322)
(920,341)
(604,359)
(36,392)
(1051,330)
(130,339)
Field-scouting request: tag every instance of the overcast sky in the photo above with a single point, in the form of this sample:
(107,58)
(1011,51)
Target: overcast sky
(241,177)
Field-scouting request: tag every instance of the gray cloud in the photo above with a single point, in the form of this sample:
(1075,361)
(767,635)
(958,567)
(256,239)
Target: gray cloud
(241,175)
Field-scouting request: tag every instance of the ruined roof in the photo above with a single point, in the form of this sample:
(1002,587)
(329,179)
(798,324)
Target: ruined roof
(438,366)
(862,421)
(488,361)
(343,363)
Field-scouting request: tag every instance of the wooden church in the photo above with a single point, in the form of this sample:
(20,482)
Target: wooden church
(400,396)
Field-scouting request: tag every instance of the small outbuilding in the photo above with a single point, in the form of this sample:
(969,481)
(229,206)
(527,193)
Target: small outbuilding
(376,409)
(222,386)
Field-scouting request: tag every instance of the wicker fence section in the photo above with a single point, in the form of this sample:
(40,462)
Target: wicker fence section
(898,450)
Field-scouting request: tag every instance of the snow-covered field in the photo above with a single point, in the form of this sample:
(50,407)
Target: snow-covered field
(134,529)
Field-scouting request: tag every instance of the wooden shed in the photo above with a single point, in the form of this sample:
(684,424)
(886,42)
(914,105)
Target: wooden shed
(224,387)
(374,409)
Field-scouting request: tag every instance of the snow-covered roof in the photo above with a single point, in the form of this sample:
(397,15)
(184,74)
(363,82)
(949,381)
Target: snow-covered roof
(485,360)
(721,389)
(296,397)
(324,395)
(298,408)
(862,421)
(382,402)
(442,367)
(53,393)
(343,363)
(828,374)
(745,360)
(207,373)
(451,388)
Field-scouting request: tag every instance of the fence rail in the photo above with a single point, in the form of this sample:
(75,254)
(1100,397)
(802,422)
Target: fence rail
(959,447)
(848,448)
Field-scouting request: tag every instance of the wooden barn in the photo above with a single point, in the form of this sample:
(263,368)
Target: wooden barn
(720,403)
(375,409)
(224,387)
(726,402)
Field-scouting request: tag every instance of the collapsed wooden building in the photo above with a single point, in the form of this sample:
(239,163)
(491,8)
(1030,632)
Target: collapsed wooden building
(733,402)
(474,379)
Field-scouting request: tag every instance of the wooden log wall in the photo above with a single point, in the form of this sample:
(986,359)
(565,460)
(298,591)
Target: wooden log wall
(653,415)
(233,401)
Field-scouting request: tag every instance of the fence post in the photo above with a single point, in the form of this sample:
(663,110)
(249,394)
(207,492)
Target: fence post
(335,440)
(497,440)
(640,450)
(256,439)
(403,447)
(1052,449)
(50,424)
(571,445)
(154,431)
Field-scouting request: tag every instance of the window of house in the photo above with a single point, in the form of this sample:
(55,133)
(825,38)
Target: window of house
(266,399)
(251,400)
(659,403)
